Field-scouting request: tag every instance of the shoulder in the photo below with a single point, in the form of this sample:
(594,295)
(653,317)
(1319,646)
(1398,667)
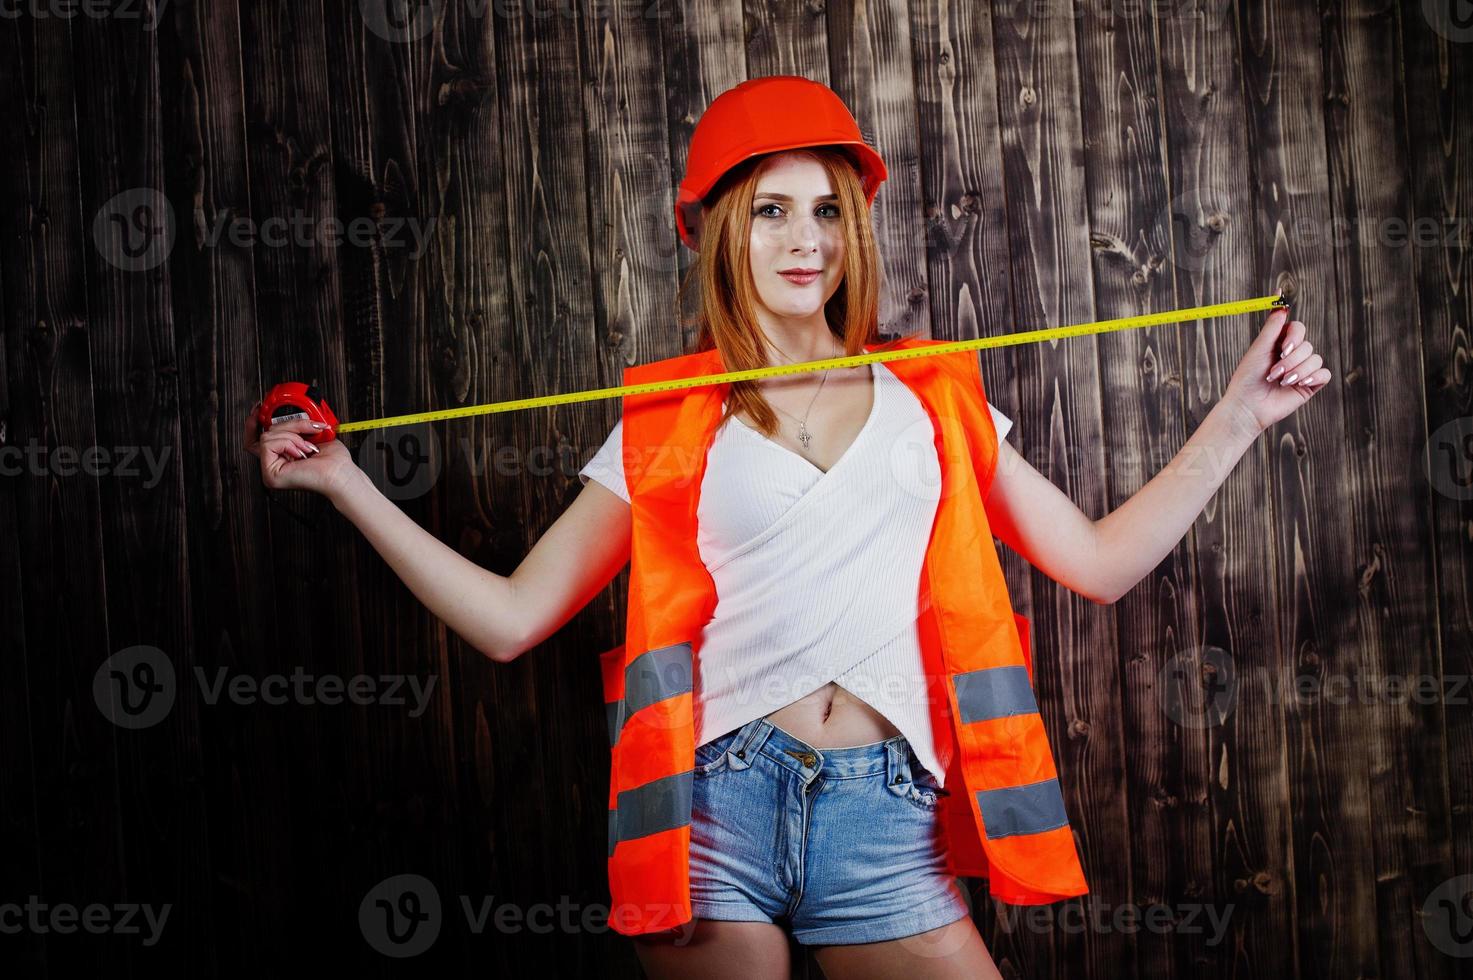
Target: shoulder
(680,366)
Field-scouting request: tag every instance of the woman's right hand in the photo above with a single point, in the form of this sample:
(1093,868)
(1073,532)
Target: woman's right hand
(290,462)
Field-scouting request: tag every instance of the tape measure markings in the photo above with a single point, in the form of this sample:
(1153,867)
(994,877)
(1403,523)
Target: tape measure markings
(853,360)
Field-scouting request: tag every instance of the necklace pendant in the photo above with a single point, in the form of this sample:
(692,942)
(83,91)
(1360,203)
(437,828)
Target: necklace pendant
(803,435)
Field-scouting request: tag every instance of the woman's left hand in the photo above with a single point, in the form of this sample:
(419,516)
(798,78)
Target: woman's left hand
(1280,372)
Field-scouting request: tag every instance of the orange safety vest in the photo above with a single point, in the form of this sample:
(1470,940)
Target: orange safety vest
(1008,825)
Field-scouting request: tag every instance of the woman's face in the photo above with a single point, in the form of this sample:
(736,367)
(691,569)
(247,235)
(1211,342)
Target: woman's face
(795,226)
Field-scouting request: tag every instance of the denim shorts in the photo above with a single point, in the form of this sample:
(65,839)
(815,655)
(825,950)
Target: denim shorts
(839,845)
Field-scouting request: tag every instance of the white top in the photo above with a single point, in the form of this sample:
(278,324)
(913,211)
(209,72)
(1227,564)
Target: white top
(817,573)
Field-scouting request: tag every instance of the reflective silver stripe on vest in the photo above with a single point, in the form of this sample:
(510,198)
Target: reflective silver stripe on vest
(1028,809)
(660,804)
(652,676)
(616,721)
(994,692)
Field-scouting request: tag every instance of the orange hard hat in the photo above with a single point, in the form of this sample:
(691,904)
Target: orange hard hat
(765,115)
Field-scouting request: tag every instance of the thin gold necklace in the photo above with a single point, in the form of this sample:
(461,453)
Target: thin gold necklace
(804,436)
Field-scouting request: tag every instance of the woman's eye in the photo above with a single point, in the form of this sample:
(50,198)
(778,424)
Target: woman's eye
(762,211)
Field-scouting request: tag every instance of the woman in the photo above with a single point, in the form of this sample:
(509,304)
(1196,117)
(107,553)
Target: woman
(825,759)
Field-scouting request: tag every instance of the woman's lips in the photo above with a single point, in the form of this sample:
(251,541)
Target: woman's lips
(799,278)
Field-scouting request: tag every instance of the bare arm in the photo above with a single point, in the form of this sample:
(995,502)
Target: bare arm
(1102,560)
(501,616)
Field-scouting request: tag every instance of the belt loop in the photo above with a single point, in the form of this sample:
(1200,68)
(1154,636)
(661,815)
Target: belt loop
(743,750)
(897,769)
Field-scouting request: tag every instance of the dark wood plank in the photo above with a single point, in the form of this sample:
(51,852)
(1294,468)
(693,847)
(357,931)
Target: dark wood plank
(871,54)
(135,375)
(1331,834)
(45,238)
(785,38)
(704,51)
(541,735)
(413,330)
(286,85)
(1129,185)
(1060,427)
(213,298)
(19,819)
(1374,293)
(1439,140)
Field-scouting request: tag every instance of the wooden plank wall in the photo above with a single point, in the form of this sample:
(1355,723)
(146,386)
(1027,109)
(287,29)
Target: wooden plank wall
(1051,162)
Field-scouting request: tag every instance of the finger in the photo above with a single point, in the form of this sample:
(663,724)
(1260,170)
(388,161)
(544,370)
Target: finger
(299,425)
(305,447)
(1294,362)
(1299,373)
(1292,337)
(283,447)
(1273,327)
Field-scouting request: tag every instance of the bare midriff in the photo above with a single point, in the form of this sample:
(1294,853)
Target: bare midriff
(832,717)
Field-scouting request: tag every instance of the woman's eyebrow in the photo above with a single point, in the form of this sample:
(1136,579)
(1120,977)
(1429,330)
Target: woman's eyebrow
(783,197)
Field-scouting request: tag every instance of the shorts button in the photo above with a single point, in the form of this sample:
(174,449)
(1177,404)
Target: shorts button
(898,780)
(742,754)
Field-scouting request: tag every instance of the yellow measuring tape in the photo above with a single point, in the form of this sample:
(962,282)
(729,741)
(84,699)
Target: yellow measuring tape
(853,360)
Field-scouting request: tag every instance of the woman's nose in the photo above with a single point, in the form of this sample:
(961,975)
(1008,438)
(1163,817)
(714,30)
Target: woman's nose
(804,232)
